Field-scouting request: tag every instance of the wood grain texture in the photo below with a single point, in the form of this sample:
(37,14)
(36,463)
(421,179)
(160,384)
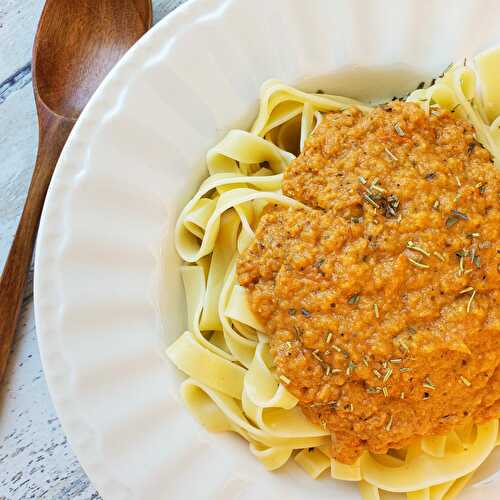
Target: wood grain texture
(70,59)
(36,460)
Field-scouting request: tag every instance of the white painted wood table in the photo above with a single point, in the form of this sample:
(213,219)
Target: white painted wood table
(36,461)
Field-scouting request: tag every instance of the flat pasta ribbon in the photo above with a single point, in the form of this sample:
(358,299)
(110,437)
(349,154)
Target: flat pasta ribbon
(233,385)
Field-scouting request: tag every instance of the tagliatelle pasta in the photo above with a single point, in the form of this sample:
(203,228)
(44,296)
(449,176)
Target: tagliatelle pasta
(232,384)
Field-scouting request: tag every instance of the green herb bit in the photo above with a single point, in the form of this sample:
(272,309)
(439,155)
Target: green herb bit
(450,221)
(395,361)
(373,390)
(466,290)
(376,311)
(460,214)
(354,299)
(376,373)
(439,256)
(389,424)
(418,264)
(370,200)
(365,361)
(285,379)
(329,338)
(385,391)
(350,368)
(378,188)
(315,353)
(461,266)
(362,179)
(391,155)
(428,384)
(315,405)
(399,130)
(404,370)
(469,304)
(415,247)
(387,375)
(404,346)
(447,69)
(319,263)
(465,381)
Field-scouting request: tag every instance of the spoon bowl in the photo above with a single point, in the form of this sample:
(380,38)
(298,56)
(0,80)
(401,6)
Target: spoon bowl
(77,43)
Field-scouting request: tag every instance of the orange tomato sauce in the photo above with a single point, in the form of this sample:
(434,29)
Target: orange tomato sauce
(381,296)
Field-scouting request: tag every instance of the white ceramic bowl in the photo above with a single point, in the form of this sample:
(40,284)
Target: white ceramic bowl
(108,294)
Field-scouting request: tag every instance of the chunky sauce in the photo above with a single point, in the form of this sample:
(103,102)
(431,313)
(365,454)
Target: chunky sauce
(381,296)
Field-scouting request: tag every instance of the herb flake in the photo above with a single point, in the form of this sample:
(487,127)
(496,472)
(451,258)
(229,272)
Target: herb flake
(354,299)
(460,214)
(418,264)
(389,424)
(399,130)
(305,313)
(391,155)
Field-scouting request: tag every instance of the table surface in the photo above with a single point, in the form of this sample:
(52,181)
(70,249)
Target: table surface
(36,461)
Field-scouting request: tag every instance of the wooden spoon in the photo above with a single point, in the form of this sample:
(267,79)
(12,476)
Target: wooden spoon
(77,43)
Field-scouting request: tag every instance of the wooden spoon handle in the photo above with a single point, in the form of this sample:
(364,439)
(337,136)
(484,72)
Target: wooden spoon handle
(53,134)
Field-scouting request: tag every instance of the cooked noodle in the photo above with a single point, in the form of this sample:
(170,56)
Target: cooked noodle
(232,384)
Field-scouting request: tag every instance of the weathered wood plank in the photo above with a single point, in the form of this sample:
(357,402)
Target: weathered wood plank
(18,20)
(18,142)
(36,462)
(162,7)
